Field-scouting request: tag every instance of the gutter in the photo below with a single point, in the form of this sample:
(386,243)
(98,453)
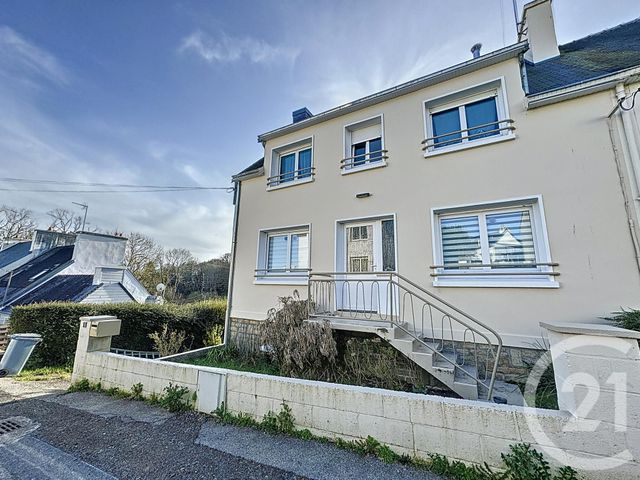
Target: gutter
(248,175)
(581,89)
(472,65)
(232,269)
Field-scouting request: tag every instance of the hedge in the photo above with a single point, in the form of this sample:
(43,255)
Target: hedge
(58,323)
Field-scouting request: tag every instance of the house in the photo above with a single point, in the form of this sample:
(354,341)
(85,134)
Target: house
(453,213)
(84,267)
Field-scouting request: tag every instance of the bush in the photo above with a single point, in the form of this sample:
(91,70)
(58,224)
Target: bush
(168,342)
(300,349)
(629,319)
(58,323)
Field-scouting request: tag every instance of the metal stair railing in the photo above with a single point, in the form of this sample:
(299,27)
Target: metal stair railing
(446,331)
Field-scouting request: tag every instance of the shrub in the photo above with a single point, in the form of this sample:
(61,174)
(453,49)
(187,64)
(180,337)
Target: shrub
(299,348)
(629,319)
(168,342)
(215,336)
(58,323)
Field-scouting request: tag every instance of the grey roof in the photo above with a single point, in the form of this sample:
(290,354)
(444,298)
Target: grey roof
(255,166)
(62,288)
(14,252)
(34,272)
(588,58)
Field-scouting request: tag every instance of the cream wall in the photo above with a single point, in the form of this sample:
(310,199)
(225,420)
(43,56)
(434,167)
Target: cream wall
(562,152)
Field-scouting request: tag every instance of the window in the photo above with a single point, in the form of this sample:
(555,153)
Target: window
(469,118)
(359,232)
(492,245)
(359,264)
(364,145)
(283,254)
(291,164)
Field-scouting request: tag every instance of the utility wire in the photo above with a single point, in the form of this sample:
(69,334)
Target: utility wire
(115,185)
(110,187)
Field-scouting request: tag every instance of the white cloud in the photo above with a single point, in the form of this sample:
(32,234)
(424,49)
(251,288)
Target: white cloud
(226,49)
(17,52)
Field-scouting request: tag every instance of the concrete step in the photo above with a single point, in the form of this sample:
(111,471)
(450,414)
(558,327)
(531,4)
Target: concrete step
(503,391)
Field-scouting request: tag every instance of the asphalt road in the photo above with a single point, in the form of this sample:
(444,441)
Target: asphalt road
(93,436)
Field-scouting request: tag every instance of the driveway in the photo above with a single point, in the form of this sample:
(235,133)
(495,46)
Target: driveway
(93,436)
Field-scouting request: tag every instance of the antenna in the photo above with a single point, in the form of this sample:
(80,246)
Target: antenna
(86,209)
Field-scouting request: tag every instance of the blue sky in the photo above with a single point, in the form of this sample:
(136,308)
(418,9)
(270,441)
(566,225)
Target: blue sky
(175,92)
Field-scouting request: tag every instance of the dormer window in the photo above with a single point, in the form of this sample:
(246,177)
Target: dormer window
(469,118)
(364,145)
(291,164)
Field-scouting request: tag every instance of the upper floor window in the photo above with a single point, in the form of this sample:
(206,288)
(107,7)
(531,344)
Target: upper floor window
(501,244)
(291,163)
(364,145)
(469,118)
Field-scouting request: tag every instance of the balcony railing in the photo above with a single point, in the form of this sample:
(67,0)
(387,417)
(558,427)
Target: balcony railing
(463,135)
(294,175)
(363,159)
(542,269)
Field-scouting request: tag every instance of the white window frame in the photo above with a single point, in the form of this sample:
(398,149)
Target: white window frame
(348,144)
(262,275)
(294,147)
(507,277)
(459,99)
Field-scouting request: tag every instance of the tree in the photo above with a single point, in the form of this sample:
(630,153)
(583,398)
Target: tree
(141,250)
(16,223)
(175,261)
(64,221)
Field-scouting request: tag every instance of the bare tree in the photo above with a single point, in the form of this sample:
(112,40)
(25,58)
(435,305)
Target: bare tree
(64,221)
(175,260)
(141,251)
(16,223)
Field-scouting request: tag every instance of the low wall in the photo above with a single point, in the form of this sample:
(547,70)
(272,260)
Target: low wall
(415,424)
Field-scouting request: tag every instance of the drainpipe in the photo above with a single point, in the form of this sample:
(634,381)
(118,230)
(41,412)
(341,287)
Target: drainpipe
(232,267)
(634,164)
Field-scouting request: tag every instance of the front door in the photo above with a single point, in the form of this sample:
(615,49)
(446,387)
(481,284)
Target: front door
(369,250)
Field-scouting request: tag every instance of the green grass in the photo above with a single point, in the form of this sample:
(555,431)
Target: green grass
(44,374)
(235,364)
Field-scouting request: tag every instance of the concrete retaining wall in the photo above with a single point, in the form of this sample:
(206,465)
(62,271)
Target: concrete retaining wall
(410,423)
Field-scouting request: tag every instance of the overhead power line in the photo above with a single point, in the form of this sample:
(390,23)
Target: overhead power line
(107,187)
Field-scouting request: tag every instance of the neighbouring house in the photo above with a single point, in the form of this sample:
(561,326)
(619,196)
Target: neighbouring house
(83,267)
(453,213)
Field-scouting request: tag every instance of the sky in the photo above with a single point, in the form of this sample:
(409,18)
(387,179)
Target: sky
(159,92)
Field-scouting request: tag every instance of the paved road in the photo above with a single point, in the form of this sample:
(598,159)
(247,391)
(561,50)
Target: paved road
(87,436)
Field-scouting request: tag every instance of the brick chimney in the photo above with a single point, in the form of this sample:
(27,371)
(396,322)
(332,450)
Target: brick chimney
(539,29)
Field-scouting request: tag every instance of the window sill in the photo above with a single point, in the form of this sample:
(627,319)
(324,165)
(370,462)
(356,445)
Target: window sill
(497,282)
(280,280)
(466,145)
(292,183)
(361,168)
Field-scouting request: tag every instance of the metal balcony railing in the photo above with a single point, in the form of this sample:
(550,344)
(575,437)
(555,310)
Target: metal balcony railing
(542,269)
(300,174)
(363,159)
(463,135)
(438,326)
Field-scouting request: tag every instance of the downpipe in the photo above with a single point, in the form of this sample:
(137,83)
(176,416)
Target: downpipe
(232,269)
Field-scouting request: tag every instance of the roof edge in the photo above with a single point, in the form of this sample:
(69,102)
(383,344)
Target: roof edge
(580,89)
(258,172)
(472,65)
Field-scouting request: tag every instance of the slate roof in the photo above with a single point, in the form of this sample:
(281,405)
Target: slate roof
(35,271)
(14,252)
(257,165)
(62,288)
(588,58)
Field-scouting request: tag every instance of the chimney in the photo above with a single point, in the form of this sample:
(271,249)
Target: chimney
(475,50)
(539,29)
(47,239)
(301,114)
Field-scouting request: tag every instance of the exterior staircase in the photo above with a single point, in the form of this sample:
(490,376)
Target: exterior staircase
(433,334)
